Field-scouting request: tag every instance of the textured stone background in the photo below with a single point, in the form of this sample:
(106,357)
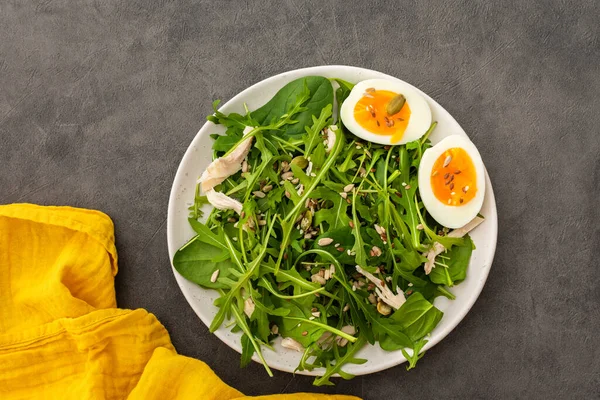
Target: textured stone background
(99,100)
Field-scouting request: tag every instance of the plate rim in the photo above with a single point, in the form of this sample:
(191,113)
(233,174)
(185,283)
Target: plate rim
(391,361)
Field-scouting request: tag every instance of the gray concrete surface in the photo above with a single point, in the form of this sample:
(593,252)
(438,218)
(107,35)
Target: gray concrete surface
(99,100)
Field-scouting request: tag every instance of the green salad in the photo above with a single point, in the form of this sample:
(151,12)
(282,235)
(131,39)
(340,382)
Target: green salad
(317,236)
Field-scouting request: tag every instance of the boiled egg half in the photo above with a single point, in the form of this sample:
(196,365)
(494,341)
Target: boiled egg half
(452,181)
(386,112)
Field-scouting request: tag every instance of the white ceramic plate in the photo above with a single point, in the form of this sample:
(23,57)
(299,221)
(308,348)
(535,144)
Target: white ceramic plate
(197,158)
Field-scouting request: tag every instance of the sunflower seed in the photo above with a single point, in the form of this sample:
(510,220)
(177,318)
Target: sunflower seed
(287,175)
(447,161)
(325,241)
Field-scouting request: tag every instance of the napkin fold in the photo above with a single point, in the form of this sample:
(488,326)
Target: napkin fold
(61,335)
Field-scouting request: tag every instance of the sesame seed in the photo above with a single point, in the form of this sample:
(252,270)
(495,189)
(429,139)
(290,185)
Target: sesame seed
(457,171)
(465,189)
(407,187)
(461,200)
(451,186)
(370,90)
(449,201)
(434,172)
(446,175)
(452,193)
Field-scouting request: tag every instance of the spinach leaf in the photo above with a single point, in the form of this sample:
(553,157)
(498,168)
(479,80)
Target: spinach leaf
(321,95)
(197,261)
(451,266)
(417,317)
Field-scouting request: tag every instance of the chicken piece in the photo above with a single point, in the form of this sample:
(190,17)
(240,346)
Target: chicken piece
(331,136)
(222,202)
(223,167)
(385,294)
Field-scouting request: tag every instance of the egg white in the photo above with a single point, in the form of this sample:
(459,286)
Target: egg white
(420,117)
(451,216)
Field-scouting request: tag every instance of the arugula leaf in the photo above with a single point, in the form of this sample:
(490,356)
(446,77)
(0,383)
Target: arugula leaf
(416,354)
(336,216)
(225,142)
(359,245)
(348,162)
(321,94)
(247,351)
(313,134)
(342,237)
(340,361)
(342,93)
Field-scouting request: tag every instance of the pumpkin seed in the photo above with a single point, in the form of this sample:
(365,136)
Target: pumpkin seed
(395,104)
(300,161)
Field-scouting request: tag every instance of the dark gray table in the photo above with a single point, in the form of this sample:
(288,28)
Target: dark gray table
(100,99)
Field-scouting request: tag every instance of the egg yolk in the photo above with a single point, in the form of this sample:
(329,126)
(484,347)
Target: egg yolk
(453,177)
(370,113)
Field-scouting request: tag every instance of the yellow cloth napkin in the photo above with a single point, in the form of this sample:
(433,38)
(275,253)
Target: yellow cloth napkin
(61,335)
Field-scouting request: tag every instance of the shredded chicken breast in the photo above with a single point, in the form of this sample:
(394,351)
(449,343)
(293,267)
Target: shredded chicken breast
(223,202)
(223,167)
(385,294)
